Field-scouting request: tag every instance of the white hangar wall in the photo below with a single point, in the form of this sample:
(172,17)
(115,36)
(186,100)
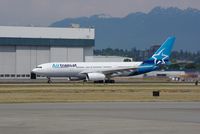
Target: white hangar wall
(23,48)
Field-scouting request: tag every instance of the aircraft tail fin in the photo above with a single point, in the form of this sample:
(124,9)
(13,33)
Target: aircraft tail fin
(161,56)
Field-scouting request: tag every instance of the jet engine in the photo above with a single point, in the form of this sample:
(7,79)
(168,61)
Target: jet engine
(76,78)
(95,76)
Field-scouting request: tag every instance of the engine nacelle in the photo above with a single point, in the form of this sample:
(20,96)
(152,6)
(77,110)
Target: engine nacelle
(95,76)
(76,78)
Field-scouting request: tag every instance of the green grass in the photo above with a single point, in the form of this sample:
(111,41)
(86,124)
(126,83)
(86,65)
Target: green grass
(79,92)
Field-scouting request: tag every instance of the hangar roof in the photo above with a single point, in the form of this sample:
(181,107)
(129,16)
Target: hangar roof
(47,36)
(46,32)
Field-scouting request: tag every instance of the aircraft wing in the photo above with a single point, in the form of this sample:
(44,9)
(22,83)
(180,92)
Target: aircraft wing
(110,72)
(118,71)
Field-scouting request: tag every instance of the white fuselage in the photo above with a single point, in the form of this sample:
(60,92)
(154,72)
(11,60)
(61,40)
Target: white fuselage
(95,71)
(78,69)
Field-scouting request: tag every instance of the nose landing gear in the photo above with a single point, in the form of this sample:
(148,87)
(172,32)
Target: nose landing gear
(49,80)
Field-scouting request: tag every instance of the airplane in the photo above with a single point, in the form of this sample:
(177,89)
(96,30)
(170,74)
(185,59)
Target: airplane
(105,71)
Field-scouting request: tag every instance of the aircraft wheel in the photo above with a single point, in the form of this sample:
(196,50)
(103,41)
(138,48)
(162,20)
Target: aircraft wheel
(109,81)
(100,81)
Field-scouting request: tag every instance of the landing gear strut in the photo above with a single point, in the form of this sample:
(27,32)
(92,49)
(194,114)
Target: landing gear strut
(49,80)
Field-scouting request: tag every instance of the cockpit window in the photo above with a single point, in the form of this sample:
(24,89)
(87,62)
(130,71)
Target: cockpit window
(39,67)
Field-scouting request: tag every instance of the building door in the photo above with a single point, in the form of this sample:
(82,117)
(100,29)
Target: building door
(33,76)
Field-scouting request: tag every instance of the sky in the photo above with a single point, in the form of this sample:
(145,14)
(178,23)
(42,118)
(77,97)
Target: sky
(45,12)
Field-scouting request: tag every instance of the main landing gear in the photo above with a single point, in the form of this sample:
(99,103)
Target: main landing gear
(109,81)
(105,81)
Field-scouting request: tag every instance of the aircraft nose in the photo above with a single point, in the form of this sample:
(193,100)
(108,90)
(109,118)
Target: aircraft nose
(35,70)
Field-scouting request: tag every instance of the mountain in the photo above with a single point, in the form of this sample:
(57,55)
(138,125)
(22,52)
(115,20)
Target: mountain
(143,30)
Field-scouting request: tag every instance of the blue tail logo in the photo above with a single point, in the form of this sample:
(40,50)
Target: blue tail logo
(161,56)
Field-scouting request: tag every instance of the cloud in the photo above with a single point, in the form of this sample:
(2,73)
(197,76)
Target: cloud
(44,12)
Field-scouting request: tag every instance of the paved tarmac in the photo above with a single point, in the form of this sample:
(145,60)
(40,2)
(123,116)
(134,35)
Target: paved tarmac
(101,118)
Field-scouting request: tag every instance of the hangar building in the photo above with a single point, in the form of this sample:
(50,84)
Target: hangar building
(23,48)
